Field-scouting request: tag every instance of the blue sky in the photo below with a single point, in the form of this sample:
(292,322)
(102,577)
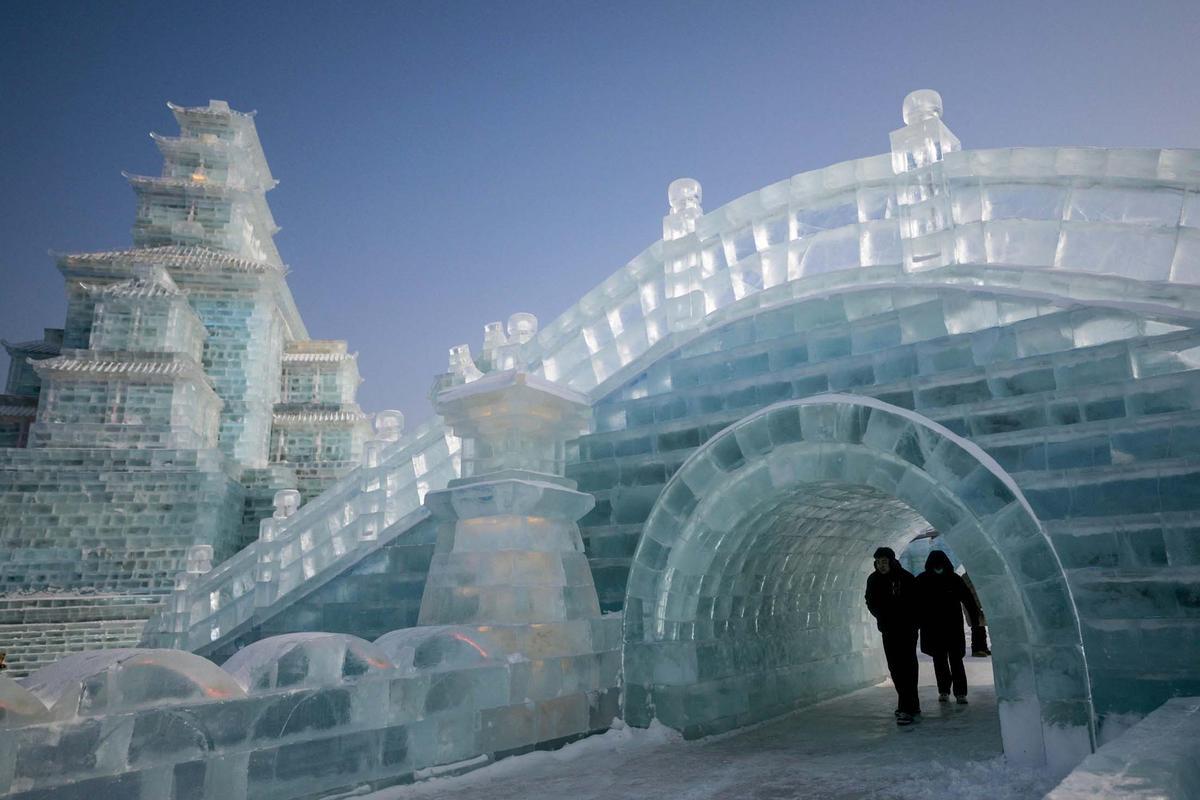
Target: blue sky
(443,165)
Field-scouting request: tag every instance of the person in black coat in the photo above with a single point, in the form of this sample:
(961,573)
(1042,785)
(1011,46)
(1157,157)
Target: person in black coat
(892,599)
(943,596)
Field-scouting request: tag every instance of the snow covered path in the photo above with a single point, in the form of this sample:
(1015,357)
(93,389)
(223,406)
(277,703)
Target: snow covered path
(845,748)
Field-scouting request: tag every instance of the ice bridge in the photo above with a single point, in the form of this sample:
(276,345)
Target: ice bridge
(1000,344)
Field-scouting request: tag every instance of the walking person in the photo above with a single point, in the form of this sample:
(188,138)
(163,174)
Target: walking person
(943,596)
(892,600)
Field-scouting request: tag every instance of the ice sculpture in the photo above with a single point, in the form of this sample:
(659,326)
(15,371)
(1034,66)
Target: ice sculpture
(111,681)
(996,343)
(183,389)
(304,659)
(684,196)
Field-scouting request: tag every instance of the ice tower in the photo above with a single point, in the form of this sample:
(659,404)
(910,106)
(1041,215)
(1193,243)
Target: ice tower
(156,403)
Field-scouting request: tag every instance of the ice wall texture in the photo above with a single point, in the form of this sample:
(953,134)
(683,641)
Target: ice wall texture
(1158,758)
(294,716)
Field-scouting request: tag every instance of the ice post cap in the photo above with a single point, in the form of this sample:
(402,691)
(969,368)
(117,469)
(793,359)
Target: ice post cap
(921,105)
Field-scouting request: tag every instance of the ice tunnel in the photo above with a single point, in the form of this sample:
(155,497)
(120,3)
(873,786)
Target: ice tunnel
(745,595)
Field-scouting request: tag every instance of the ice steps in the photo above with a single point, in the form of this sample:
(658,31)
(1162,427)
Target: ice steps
(33,645)
(37,629)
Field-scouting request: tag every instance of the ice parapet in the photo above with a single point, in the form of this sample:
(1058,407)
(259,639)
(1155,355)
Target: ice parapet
(110,681)
(298,660)
(435,647)
(312,722)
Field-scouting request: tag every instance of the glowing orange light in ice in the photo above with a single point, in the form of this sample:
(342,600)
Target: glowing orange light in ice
(471,642)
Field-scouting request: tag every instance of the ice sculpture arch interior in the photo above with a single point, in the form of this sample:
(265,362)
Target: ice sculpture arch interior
(745,596)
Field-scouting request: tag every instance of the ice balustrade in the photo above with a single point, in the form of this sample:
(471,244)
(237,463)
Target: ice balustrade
(294,546)
(1040,215)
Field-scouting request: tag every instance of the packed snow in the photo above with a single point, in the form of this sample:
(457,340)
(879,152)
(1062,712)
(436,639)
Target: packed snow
(849,747)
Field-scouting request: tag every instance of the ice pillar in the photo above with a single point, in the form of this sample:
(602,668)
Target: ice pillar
(509,551)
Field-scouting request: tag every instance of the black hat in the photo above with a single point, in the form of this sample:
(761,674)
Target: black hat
(936,559)
(885,552)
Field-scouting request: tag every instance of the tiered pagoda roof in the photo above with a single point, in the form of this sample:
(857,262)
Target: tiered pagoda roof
(184,258)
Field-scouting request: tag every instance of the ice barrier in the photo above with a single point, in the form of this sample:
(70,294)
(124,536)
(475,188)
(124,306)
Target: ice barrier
(295,716)
(1156,759)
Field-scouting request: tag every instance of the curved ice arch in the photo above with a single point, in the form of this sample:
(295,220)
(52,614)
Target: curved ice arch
(437,647)
(705,559)
(106,681)
(295,660)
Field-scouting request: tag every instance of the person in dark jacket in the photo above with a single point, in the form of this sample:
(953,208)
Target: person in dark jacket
(943,596)
(892,599)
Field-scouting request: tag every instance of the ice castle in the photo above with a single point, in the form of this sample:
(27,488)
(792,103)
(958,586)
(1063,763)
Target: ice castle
(661,505)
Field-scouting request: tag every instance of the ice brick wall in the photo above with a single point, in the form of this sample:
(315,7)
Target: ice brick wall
(242,356)
(296,716)
(1092,411)
(158,503)
(36,630)
(1157,759)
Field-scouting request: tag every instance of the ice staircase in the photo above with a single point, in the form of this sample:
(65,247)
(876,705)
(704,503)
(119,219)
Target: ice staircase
(38,629)
(295,555)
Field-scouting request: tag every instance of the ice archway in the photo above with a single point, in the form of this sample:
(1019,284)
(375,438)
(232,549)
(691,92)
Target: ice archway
(745,594)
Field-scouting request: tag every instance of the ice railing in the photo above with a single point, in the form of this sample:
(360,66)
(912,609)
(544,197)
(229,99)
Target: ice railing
(295,546)
(1119,225)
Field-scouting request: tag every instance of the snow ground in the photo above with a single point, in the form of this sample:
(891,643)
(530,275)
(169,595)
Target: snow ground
(849,747)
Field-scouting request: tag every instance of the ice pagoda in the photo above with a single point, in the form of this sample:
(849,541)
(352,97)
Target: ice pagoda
(180,396)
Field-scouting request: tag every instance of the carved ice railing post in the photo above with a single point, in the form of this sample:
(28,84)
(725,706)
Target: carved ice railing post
(266,576)
(197,563)
(266,570)
(683,279)
(373,498)
(922,192)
